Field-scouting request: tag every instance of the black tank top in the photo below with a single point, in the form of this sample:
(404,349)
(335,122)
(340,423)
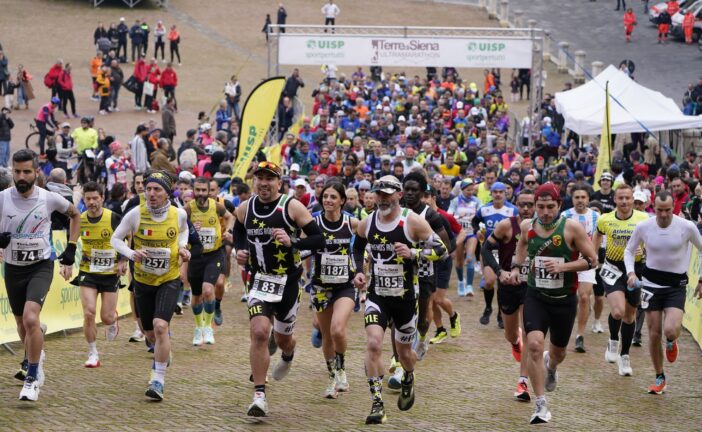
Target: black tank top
(506,251)
(333,265)
(390,275)
(266,255)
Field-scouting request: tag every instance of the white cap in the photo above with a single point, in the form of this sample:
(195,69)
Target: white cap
(640,195)
(401,118)
(295,167)
(121,19)
(300,182)
(459,105)
(186,175)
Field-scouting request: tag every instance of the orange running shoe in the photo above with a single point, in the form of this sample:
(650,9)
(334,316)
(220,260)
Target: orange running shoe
(671,351)
(517,349)
(522,393)
(658,387)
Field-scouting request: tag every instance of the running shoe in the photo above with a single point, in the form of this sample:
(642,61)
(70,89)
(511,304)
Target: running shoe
(671,351)
(551,375)
(377,414)
(394,364)
(485,318)
(469,291)
(406,399)
(612,352)
(395,381)
(178,309)
(281,369)
(218,318)
(93,361)
(597,327)
(500,323)
(461,288)
(357,304)
(636,341)
(658,387)
(198,338)
(155,390)
(342,383)
(579,344)
(362,296)
(137,336)
(440,336)
(272,345)
(624,364)
(522,393)
(186,299)
(22,372)
(244,298)
(111,331)
(455,326)
(541,413)
(422,349)
(208,335)
(40,370)
(331,392)
(316,338)
(517,348)
(30,390)
(259,406)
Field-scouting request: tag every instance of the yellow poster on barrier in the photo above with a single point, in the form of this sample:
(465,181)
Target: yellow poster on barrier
(62,309)
(692,320)
(256,118)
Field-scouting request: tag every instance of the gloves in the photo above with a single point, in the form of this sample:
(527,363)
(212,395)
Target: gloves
(68,257)
(5,239)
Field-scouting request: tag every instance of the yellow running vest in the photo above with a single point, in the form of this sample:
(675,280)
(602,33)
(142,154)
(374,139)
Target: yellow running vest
(98,255)
(160,240)
(207,225)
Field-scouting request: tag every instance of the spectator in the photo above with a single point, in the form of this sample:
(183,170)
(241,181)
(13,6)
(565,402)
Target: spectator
(85,137)
(5,78)
(25,91)
(174,42)
(232,90)
(103,91)
(65,82)
(116,80)
(6,125)
(664,20)
(51,77)
(65,147)
(160,41)
(266,26)
(189,143)
(45,117)
(136,34)
(99,32)
(153,78)
(169,82)
(95,66)
(680,194)
(159,157)
(292,84)
(286,113)
(146,29)
(117,166)
(56,182)
(138,149)
(168,122)
(282,17)
(122,34)
(140,74)
(330,12)
(688,25)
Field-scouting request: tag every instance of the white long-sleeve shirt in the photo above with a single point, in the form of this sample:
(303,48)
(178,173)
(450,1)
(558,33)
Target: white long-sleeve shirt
(139,155)
(130,224)
(667,249)
(330,10)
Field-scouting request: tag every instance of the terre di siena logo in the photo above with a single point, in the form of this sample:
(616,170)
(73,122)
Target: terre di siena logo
(486,46)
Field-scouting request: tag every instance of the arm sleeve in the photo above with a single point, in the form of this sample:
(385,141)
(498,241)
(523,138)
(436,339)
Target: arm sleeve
(630,251)
(183,230)
(487,255)
(475,222)
(129,224)
(239,235)
(359,250)
(314,239)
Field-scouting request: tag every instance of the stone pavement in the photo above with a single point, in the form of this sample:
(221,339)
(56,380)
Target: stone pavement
(463,384)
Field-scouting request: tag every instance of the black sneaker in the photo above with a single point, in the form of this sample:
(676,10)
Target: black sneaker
(579,344)
(272,346)
(406,399)
(22,372)
(178,309)
(377,414)
(636,341)
(500,323)
(485,319)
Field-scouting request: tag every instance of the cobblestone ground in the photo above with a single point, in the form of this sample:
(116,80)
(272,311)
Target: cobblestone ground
(463,384)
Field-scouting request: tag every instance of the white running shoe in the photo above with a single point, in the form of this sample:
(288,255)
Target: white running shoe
(395,381)
(330,392)
(281,369)
(198,338)
(112,331)
(469,291)
(41,377)
(551,375)
(624,364)
(93,361)
(30,390)
(422,349)
(208,335)
(541,413)
(342,383)
(259,406)
(597,327)
(612,352)
(137,336)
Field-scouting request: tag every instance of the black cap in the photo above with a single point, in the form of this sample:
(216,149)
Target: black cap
(191,133)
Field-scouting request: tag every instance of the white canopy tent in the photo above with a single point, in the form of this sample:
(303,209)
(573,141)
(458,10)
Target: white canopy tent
(583,107)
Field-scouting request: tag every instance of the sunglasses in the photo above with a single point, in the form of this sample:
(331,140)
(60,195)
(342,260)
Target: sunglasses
(387,185)
(269,166)
(530,182)
(527,205)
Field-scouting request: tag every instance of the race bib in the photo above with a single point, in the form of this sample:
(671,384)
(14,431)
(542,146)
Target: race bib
(389,280)
(268,288)
(610,273)
(207,237)
(158,262)
(26,251)
(543,278)
(335,269)
(645,298)
(102,260)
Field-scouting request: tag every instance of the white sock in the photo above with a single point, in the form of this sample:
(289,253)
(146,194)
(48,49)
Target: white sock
(160,371)
(92,347)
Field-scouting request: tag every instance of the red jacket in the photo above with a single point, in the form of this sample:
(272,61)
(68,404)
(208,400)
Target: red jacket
(154,75)
(679,202)
(140,71)
(65,80)
(169,77)
(52,76)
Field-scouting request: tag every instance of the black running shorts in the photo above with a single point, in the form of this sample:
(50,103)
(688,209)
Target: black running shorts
(442,270)
(205,269)
(510,297)
(633,297)
(284,312)
(402,313)
(427,286)
(598,288)
(325,296)
(658,299)
(554,315)
(156,301)
(102,283)
(28,283)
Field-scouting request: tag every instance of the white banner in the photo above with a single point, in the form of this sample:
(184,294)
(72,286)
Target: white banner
(464,52)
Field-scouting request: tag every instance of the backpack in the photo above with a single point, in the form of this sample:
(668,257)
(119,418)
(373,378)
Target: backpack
(49,81)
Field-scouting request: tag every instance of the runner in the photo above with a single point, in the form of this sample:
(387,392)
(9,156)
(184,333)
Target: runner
(160,235)
(226,248)
(333,294)
(586,217)
(667,239)
(267,231)
(414,189)
(397,238)
(206,269)
(617,227)
(510,296)
(464,207)
(553,246)
(100,269)
(598,287)
(25,234)
(489,215)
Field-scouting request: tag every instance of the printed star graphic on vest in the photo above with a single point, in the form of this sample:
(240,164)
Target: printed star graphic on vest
(344,251)
(261,224)
(281,270)
(255,221)
(376,236)
(331,237)
(280,256)
(399,260)
(383,240)
(277,243)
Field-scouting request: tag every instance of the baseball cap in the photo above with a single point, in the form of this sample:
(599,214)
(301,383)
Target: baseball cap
(549,190)
(186,175)
(364,185)
(295,167)
(639,195)
(497,186)
(268,167)
(385,157)
(467,182)
(388,184)
(65,125)
(401,118)
(606,176)
(300,182)
(321,179)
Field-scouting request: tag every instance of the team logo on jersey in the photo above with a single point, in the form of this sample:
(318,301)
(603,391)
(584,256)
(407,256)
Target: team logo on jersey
(105,234)
(557,240)
(171,233)
(211,221)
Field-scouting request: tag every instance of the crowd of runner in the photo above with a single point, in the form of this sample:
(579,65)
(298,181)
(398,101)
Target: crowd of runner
(392,183)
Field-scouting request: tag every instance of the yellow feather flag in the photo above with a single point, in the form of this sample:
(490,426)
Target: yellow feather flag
(255,120)
(274,153)
(604,158)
